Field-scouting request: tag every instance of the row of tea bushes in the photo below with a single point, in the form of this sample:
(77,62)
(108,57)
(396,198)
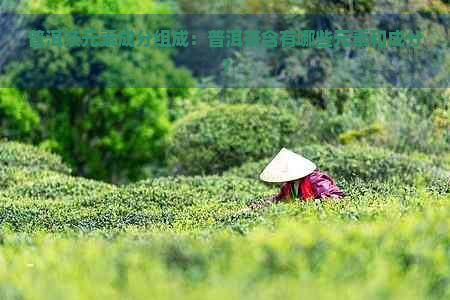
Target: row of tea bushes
(37,198)
(29,172)
(13,154)
(43,204)
(323,258)
(204,188)
(44,184)
(200,203)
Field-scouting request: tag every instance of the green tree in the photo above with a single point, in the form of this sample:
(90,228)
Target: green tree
(18,120)
(105,133)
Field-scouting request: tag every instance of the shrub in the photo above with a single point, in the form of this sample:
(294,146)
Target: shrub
(212,140)
(13,154)
(177,203)
(360,134)
(181,190)
(25,214)
(46,185)
(12,176)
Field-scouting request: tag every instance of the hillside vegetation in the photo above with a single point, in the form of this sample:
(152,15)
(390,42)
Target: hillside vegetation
(127,172)
(193,237)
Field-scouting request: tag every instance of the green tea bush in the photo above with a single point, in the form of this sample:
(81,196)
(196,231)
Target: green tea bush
(13,154)
(322,258)
(7,177)
(215,139)
(181,203)
(27,214)
(39,185)
(202,188)
(39,198)
(190,204)
(415,120)
(354,161)
(12,176)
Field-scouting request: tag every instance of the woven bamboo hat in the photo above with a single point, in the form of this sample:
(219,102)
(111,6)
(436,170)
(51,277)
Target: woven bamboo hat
(287,166)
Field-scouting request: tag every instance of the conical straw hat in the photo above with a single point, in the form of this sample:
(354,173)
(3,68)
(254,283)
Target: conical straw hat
(287,166)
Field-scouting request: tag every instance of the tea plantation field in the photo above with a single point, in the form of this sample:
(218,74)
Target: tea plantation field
(66,237)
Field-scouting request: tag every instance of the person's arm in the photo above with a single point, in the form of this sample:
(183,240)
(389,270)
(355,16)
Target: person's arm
(283,194)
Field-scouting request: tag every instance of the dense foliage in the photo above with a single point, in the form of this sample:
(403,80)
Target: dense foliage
(110,134)
(119,135)
(329,259)
(105,133)
(219,137)
(198,232)
(34,199)
(17,118)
